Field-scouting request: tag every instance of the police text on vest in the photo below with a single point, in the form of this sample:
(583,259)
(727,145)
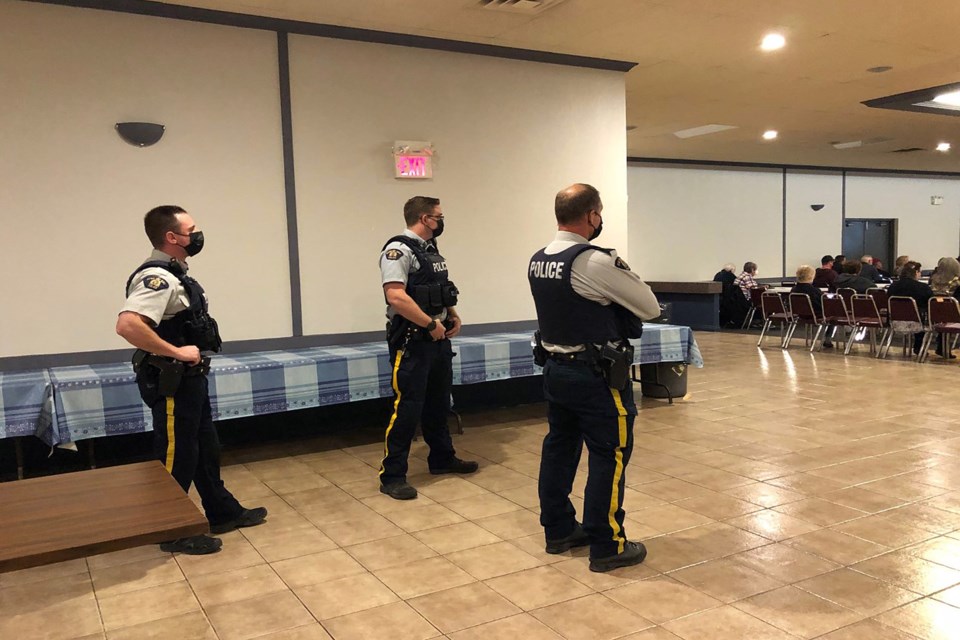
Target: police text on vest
(549,270)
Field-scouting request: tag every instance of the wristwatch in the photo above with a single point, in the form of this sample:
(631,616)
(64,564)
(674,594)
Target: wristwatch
(431,326)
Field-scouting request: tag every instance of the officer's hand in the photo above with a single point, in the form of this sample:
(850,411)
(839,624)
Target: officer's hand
(189,354)
(438,333)
(455,329)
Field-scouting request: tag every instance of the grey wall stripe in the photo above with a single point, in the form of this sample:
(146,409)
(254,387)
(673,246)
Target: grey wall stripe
(112,356)
(802,167)
(179,12)
(290,184)
(783,227)
(843,205)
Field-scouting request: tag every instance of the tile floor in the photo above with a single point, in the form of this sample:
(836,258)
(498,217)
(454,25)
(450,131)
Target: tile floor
(789,496)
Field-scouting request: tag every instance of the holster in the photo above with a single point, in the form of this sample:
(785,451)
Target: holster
(539,353)
(400,331)
(171,372)
(615,365)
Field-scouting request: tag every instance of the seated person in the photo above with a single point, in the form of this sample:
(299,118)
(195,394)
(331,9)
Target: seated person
(909,285)
(899,264)
(746,280)
(805,285)
(946,277)
(838,263)
(825,275)
(868,271)
(851,278)
(878,265)
(725,275)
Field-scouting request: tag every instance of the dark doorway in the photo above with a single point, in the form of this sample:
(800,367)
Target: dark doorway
(877,238)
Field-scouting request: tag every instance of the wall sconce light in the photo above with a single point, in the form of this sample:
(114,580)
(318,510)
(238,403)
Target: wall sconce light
(816,207)
(140,134)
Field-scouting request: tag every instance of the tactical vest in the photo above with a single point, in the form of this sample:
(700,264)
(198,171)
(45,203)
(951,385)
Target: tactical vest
(565,317)
(193,325)
(430,285)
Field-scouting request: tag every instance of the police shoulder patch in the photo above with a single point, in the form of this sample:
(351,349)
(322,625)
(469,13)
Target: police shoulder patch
(155,283)
(620,264)
(393,254)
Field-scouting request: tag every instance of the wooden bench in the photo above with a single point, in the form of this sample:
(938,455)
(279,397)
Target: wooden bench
(73,515)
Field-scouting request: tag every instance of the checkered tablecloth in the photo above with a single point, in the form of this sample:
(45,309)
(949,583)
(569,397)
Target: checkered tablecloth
(26,401)
(101,400)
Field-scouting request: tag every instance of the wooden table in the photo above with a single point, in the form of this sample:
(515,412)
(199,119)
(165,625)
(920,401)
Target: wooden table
(74,515)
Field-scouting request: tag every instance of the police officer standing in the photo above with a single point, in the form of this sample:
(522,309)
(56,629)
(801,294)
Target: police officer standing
(588,304)
(422,316)
(165,317)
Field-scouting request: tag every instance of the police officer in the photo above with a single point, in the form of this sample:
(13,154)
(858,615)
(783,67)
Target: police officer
(422,316)
(165,317)
(588,304)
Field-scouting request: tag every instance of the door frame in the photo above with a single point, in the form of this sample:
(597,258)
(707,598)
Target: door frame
(894,236)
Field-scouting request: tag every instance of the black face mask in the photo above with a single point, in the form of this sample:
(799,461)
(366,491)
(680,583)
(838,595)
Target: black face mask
(596,230)
(439,230)
(196,242)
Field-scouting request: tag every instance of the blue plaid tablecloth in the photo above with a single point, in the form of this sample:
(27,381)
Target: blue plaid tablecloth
(101,400)
(26,402)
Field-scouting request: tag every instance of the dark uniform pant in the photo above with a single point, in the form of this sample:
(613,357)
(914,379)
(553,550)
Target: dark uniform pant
(583,409)
(186,442)
(422,377)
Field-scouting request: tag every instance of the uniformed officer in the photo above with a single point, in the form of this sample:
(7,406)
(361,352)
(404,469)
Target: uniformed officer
(421,303)
(165,317)
(588,303)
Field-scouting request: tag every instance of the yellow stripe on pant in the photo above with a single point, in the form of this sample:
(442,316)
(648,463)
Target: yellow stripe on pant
(396,407)
(171,436)
(618,471)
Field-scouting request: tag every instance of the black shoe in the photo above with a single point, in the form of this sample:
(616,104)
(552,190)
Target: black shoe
(456,465)
(633,553)
(828,345)
(247,518)
(399,491)
(193,546)
(578,538)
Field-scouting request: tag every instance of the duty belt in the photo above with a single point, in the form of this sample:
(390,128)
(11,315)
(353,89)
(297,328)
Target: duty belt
(584,357)
(200,369)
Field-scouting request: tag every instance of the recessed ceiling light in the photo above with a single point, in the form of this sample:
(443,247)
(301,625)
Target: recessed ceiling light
(770,135)
(881,69)
(772,42)
(952,98)
(943,146)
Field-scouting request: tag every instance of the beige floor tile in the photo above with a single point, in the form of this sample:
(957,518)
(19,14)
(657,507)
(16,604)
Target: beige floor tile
(857,591)
(726,580)
(240,584)
(235,554)
(498,478)
(54,609)
(653,633)
(384,504)
(837,546)
(868,630)
(300,482)
(943,550)
(535,545)
(764,494)
(418,518)
(114,558)
(526,496)
(538,587)
(799,612)
(482,506)
(579,570)
(522,625)
(423,576)
(258,616)
(345,596)
(317,568)
(493,560)
(390,552)
(725,623)
(147,605)
(447,488)
(718,506)
(44,572)
(515,524)
(312,631)
(456,537)
(402,621)
(927,619)
(819,511)
(784,563)
(809,484)
(910,572)
(593,617)
(882,531)
(662,599)
(669,518)
(189,626)
(350,532)
(772,524)
(292,543)
(672,490)
(462,607)
(131,576)
(864,500)
(924,516)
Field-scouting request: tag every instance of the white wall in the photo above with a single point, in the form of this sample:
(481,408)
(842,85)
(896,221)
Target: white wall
(508,135)
(686,223)
(73,194)
(812,234)
(924,232)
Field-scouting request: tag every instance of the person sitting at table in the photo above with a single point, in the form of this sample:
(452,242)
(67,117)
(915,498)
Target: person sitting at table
(825,275)
(900,262)
(878,265)
(725,275)
(746,280)
(805,285)
(851,278)
(868,271)
(909,285)
(946,277)
(838,263)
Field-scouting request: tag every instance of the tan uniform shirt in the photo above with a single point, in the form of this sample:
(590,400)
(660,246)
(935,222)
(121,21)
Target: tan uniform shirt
(155,293)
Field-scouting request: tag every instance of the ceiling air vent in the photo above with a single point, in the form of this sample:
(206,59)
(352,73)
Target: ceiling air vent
(527,7)
(907,150)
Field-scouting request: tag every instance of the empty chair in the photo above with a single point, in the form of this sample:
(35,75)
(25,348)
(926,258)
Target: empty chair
(773,309)
(903,317)
(866,317)
(847,294)
(803,312)
(755,295)
(835,315)
(880,296)
(943,313)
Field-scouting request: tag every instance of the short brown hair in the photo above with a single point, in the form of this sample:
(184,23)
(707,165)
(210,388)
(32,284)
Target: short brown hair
(418,206)
(901,260)
(804,273)
(159,220)
(910,269)
(852,266)
(576,201)
(749,267)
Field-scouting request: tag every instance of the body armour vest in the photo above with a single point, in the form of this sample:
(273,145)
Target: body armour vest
(430,285)
(193,325)
(565,317)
